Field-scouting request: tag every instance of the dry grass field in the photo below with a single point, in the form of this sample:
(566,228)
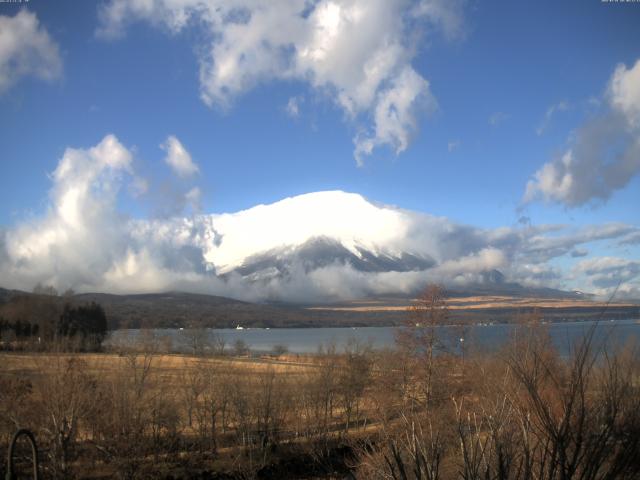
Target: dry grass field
(477,303)
(169,366)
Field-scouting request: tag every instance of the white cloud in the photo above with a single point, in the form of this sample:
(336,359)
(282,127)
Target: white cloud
(84,241)
(554,180)
(26,49)
(604,153)
(82,231)
(395,114)
(606,275)
(357,52)
(537,275)
(466,269)
(540,248)
(178,158)
(624,92)
(453,145)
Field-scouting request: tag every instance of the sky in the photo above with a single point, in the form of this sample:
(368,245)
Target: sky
(495,116)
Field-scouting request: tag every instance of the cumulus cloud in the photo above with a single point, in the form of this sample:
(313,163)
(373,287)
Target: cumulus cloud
(312,247)
(26,49)
(611,274)
(541,248)
(178,158)
(357,52)
(82,233)
(624,92)
(537,275)
(85,242)
(395,118)
(468,269)
(604,153)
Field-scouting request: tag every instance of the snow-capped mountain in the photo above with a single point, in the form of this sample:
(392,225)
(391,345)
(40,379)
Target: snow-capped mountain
(317,230)
(317,245)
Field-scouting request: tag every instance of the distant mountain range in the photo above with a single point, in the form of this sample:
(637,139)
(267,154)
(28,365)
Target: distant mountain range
(495,283)
(178,309)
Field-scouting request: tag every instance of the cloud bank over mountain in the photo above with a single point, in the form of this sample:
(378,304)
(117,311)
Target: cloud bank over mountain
(358,53)
(319,246)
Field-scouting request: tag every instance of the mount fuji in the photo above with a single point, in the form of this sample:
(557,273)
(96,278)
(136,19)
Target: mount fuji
(329,231)
(314,231)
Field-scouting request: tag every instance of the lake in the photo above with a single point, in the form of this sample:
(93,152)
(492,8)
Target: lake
(476,337)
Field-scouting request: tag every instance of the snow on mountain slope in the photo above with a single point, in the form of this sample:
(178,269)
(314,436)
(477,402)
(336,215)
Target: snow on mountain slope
(315,233)
(345,218)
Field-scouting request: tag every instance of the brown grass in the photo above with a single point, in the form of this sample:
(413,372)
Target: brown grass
(25,363)
(480,303)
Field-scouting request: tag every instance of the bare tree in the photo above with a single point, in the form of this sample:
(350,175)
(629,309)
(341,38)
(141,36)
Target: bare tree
(41,289)
(419,338)
(65,396)
(353,377)
(197,340)
(240,347)
(279,349)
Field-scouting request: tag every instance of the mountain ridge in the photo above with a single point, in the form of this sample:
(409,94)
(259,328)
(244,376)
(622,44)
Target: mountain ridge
(189,310)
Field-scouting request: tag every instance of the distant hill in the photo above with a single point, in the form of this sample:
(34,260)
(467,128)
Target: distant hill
(4,295)
(494,283)
(178,309)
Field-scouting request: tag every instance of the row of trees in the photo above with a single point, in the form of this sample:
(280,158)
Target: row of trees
(41,320)
(18,330)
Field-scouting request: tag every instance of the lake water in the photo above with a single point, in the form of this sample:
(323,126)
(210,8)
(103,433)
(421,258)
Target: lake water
(476,337)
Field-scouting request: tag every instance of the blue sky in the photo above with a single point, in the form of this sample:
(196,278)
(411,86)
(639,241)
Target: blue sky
(510,87)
